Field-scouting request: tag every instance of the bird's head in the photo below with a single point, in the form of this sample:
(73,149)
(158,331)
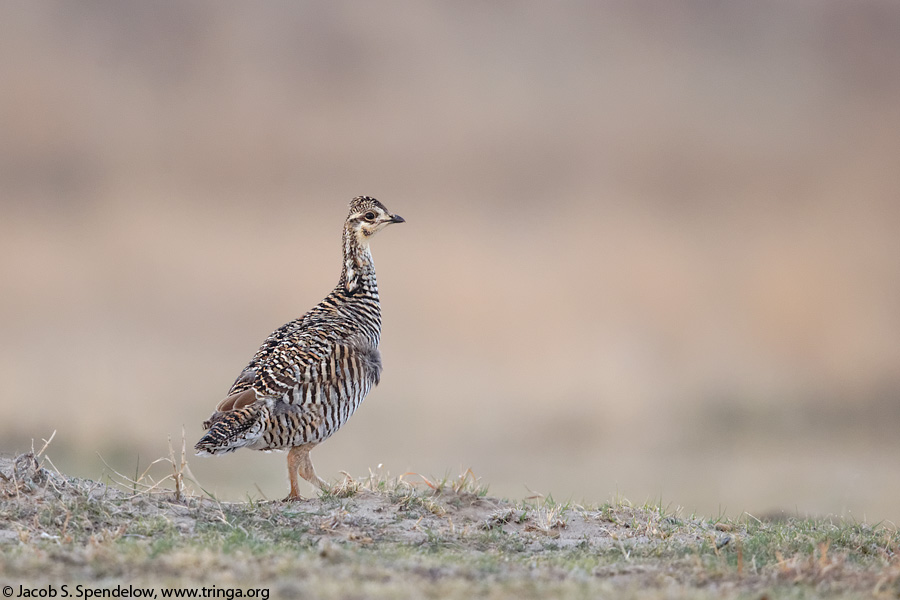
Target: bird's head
(367,217)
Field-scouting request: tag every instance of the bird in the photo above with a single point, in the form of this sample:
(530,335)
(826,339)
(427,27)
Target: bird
(311,374)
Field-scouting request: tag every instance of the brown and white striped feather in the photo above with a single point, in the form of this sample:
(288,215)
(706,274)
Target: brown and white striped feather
(299,391)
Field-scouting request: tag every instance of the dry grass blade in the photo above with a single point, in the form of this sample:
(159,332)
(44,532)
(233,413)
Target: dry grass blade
(178,467)
(347,487)
(424,479)
(547,520)
(46,443)
(144,483)
(136,483)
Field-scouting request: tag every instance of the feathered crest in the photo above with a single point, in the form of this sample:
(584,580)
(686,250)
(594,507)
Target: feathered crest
(361,203)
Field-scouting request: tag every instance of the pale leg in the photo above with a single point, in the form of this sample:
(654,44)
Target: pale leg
(299,463)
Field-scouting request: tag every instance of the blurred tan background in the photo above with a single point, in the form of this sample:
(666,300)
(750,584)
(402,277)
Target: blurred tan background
(653,248)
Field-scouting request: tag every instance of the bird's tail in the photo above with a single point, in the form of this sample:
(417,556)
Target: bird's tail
(232,430)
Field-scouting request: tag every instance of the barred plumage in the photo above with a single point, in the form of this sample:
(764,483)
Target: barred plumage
(311,374)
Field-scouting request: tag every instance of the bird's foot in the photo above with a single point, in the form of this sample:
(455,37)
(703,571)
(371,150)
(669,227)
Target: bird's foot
(323,485)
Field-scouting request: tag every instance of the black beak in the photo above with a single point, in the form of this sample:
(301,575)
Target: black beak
(397,219)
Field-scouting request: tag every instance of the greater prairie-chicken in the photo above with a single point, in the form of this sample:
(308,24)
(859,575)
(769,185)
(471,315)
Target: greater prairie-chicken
(311,374)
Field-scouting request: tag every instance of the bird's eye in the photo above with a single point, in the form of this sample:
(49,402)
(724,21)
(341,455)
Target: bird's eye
(369,216)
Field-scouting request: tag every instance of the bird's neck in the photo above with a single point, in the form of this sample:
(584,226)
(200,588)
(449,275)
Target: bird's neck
(358,269)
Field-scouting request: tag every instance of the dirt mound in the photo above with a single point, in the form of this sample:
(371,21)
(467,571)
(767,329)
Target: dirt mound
(378,508)
(395,537)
